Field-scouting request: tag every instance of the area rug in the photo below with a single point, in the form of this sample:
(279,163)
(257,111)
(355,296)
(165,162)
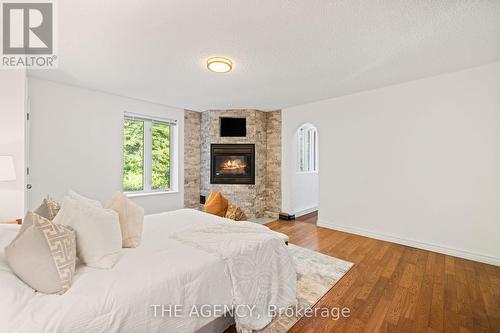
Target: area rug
(317,273)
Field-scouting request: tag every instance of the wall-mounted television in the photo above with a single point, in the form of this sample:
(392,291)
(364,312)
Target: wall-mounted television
(235,127)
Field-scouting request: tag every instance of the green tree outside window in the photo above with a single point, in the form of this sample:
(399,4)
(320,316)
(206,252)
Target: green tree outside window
(146,155)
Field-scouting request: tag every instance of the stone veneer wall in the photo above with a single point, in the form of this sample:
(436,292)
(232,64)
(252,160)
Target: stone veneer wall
(263,130)
(251,198)
(192,158)
(273,167)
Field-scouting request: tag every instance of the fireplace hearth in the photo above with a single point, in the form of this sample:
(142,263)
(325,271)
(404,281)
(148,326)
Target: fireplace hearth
(232,164)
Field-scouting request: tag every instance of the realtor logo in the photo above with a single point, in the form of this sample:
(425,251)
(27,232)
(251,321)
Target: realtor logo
(28,34)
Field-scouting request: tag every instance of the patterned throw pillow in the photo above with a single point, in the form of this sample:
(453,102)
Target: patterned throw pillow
(235,213)
(43,255)
(48,209)
(216,204)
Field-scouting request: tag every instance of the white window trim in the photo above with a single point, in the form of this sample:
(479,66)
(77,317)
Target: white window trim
(148,158)
(148,194)
(312,156)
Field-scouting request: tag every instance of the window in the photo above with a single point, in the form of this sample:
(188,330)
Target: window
(147,154)
(307,149)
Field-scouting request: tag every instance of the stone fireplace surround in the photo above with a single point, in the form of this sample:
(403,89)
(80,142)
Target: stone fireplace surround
(263,130)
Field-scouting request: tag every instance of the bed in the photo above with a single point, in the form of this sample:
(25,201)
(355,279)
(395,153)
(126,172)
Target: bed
(162,271)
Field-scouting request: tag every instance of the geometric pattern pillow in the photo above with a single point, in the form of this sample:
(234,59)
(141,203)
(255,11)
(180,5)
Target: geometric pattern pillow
(43,255)
(131,217)
(235,213)
(48,208)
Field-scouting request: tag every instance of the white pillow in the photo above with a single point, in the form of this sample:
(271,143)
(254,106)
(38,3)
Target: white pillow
(72,194)
(98,235)
(131,219)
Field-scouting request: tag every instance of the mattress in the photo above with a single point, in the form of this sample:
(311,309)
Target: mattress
(161,272)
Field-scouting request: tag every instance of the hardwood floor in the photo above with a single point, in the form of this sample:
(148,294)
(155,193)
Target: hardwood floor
(309,218)
(396,288)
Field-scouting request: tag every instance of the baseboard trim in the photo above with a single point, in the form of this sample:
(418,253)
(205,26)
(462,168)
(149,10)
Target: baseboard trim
(413,243)
(306,211)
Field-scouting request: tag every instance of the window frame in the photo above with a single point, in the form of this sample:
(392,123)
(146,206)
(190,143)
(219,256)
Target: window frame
(307,149)
(147,174)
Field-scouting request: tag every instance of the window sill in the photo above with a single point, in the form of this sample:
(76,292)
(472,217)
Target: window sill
(148,194)
(306,172)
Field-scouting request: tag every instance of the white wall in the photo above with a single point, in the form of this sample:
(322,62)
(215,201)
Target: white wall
(76,142)
(416,163)
(300,191)
(12,111)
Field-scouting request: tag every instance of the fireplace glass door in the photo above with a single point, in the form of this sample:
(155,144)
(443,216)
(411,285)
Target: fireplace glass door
(232,164)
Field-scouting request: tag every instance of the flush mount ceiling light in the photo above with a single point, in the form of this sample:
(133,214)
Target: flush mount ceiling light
(219,64)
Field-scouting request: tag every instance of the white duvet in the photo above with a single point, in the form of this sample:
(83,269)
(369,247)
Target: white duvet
(259,265)
(161,271)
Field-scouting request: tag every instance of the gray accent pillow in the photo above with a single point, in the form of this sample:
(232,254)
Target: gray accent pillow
(43,255)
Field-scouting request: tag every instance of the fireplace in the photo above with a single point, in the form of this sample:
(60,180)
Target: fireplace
(232,164)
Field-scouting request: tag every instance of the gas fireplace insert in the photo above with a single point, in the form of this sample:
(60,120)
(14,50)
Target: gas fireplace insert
(232,164)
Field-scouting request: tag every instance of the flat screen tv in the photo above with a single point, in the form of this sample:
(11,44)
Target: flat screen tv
(233,127)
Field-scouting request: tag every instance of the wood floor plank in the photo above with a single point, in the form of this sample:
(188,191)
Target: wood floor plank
(451,319)
(436,319)
(424,300)
(376,321)
(395,310)
(480,317)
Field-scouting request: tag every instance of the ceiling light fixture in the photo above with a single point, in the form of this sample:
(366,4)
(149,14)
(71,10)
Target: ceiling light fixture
(219,64)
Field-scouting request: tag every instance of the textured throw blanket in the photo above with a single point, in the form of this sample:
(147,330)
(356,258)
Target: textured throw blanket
(260,267)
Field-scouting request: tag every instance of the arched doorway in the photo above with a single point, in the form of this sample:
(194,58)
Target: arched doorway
(305,180)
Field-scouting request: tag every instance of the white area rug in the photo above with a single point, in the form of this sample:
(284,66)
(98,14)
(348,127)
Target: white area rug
(317,273)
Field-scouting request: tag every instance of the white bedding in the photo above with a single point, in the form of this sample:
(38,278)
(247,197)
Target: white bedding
(261,269)
(160,271)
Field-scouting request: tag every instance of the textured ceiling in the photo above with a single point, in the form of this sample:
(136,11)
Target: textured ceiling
(285,52)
